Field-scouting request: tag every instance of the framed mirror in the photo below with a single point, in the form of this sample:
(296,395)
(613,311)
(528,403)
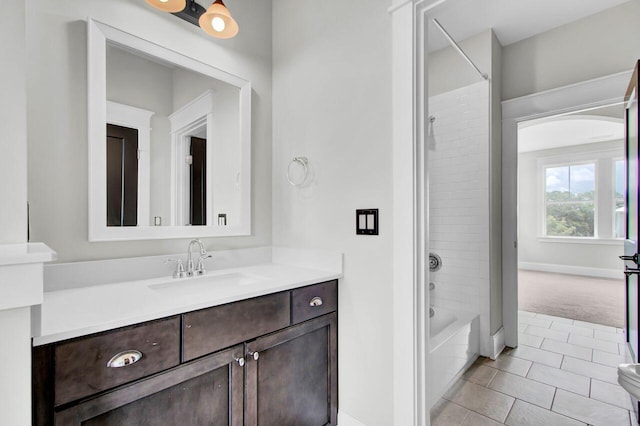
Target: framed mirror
(169,142)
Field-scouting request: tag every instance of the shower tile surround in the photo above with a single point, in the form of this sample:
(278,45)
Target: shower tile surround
(520,390)
(458,172)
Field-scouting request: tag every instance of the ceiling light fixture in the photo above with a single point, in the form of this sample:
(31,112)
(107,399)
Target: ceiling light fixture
(215,21)
(168,5)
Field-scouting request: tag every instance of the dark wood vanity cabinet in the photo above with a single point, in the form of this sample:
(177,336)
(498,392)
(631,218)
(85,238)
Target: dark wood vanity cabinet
(291,376)
(270,360)
(207,392)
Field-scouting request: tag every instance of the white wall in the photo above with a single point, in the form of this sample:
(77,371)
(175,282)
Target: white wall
(595,46)
(596,258)
(15,324)
(56,42)
(332,103)
(13,138)
(495,183)
(447,70)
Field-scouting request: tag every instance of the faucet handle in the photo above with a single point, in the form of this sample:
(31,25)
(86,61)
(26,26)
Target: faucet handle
(179,272)
(200,269)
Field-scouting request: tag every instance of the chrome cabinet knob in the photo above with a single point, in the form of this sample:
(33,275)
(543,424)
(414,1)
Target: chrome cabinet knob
(316,301)
(240,361)
(124,358)
(255,355)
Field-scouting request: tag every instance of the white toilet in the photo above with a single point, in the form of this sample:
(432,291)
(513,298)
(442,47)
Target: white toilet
(629,378)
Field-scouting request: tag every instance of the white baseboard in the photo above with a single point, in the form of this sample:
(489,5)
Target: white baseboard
(572,270)
(346,420)
(497,343)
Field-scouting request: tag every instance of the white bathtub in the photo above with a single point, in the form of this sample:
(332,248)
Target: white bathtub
(454,346)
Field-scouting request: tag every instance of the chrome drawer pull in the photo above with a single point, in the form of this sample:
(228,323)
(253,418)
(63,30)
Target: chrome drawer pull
(124,358)
(316,301)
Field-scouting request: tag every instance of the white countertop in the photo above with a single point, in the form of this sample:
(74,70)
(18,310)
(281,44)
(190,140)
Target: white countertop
(21,266)
(20,253)
(75,312)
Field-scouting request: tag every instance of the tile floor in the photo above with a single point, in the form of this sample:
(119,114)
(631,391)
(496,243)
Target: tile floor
(563,373)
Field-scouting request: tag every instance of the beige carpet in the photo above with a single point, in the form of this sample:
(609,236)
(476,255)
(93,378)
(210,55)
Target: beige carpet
(597,300)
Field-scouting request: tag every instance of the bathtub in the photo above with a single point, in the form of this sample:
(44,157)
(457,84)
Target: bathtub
(454,346)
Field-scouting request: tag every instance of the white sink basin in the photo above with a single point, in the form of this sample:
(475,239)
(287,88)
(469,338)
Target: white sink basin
(205,283)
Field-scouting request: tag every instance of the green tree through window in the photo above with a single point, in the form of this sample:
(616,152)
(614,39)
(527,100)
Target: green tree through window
(569,203)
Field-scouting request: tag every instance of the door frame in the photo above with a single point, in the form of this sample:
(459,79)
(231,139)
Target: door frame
(588,94)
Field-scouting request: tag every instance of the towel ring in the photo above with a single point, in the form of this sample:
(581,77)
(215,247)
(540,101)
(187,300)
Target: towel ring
(304,162)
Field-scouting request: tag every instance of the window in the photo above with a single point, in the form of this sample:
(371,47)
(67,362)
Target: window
(570,200)
(618,200)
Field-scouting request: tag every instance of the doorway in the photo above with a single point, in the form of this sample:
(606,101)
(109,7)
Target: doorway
(571,218)
(579,97)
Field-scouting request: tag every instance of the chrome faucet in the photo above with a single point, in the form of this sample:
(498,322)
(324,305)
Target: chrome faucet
(199,269)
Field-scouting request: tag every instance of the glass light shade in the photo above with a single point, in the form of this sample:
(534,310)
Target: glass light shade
(172,6)
(218,12)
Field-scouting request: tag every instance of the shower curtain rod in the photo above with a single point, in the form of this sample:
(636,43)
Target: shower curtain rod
(459,49)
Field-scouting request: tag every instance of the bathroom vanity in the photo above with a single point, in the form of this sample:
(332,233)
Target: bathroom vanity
(233,351)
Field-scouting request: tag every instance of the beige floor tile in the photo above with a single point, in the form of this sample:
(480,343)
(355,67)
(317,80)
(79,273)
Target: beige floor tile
(590,369)
(609,337)
(529,340)
(482,400)
(595,326)
(525,414)
(538,355)
(480,374)
(611,394)
(554,318)
(475,419)
(446,413)
(573,329)
(527,314)
(522,388)
(510,364)
(589,410)
(560,378)
(598,344)
(567,349)
(535,321)
(606,358)
(547,333)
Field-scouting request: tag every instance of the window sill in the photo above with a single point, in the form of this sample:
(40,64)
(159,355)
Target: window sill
(582,240)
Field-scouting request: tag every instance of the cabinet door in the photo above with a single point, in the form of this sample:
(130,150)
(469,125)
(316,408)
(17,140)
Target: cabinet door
(204,392)
(294,381)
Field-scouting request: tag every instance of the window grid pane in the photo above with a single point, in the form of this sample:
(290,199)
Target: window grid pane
(570,195)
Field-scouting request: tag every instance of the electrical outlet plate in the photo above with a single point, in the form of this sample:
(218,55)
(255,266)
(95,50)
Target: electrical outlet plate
(367,221)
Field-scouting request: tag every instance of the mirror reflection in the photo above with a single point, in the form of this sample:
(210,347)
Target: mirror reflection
(172,142)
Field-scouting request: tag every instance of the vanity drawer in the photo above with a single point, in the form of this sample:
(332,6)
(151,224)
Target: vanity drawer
(81,365)
(313,301)
(216,328)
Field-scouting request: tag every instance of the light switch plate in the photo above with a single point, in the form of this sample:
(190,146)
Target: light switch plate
(367,221)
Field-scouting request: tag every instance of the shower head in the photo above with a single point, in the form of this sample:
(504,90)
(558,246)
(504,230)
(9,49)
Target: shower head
(431,140)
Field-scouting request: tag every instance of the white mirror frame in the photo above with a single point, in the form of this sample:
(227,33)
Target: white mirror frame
(98,35)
